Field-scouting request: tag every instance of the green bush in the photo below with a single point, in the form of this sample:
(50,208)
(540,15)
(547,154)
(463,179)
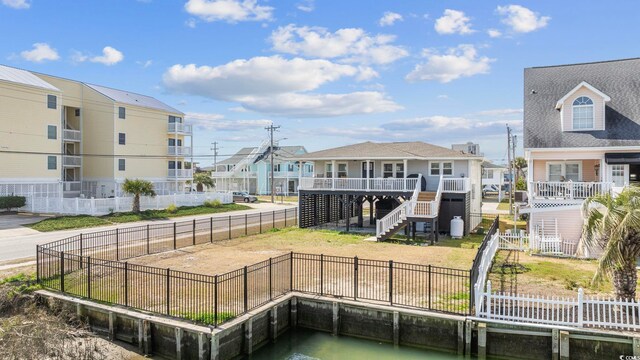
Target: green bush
(521,184)
(213,203)
(172,209)
(10,202)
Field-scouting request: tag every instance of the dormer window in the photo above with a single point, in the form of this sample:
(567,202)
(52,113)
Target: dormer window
(582,113)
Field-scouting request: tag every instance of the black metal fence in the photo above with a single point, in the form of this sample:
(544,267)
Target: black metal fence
(475,267)
(92,266)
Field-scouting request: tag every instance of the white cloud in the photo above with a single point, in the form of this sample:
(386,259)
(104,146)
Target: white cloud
(145,64)
(453,22)
(110,56)
(389,18)
(322,105)
(258,76)
(348,45)
(443,97)
(306,5)
(190,23)
(231,11)
(40,52)
(17,4)
(461,61)
(217,122)
(521,19)
(450,128)
(494,33)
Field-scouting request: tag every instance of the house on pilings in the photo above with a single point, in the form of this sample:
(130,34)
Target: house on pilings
(410,186)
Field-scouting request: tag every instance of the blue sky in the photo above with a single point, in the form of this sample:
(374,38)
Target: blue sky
(329,72)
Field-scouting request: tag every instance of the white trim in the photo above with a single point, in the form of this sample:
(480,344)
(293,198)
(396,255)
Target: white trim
(593,114)
(582,148)
(588,86)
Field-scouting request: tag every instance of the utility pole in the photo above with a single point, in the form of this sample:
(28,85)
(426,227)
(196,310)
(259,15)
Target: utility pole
(215,149)
(509,149)
(271,129)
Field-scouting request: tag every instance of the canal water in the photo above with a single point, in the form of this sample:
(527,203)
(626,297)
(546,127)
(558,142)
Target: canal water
(302,344)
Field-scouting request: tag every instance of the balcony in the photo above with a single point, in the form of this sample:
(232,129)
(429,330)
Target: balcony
(567,190)
(71,135)
(179,151)
(71,161)
(71,186)
(359,184)
(456,185)
(180,173)
(179,128)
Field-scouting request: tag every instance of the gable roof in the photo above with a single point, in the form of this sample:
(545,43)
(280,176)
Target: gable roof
(282,152)
(543,86)
(588,86)
(392,150)
(490,165)
(24,77)
(131,98)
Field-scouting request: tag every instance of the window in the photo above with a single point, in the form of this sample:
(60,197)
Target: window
(400,170)
(572,172)
(487,174)
(172,142)
(122,138)
(387,170)
(328,170)
(174,119)
(444,168)
(121,164)
(342,170)
(77,112)
(582,113)
(52,101)
(309,168)
(557,171)
(121,112)
(290,168)
(52,132)
(52,162)
(276,168)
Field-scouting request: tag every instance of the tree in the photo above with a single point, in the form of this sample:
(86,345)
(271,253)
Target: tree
(136,188)
(202,179)
(519,164)
(613,223)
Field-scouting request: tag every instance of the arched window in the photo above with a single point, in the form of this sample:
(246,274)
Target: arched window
(582,113)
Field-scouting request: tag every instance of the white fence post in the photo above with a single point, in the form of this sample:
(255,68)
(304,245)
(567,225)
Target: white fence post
(488,299)
(580,315)
(77,206)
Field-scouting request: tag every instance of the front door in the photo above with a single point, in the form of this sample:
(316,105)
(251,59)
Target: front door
(292,186)
(619,175)
(367,166)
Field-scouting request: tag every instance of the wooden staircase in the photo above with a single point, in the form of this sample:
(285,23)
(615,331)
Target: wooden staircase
(427,196)
(393,230)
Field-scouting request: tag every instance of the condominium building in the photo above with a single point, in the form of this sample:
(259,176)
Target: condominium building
(67,138)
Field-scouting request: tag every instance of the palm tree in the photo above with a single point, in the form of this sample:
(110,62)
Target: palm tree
(613,223)
(519,164)
(202,179)
(136,188)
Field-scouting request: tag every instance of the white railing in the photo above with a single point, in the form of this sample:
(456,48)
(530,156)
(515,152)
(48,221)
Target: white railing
(180,173)
(73,186)
(359,184)
(179,150)
(578,311)
(179,128)
(456,185)
(246,162)
(71,135)
(393,218)
(82,206)
(71,160)
(568,189)
(483,271)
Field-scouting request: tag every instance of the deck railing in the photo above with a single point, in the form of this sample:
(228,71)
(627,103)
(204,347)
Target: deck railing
(568,189)
(359,184)
(456,185)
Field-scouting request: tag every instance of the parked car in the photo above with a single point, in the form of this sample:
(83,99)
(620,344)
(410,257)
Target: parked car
(490,189)
(241,196)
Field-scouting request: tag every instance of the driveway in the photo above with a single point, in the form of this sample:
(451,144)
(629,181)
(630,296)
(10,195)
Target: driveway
(13,225)
(20,242)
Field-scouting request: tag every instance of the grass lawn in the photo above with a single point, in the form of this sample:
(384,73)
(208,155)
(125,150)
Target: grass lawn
(87,221)
(267,198)
(233,254)
(504,204)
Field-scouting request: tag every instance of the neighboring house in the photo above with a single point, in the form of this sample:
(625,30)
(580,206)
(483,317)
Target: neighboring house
(581,137)
(493,174)
(66,138)
(385,175)
(250,170)
(468,148)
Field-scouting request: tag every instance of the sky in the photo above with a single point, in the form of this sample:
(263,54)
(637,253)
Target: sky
(329,73)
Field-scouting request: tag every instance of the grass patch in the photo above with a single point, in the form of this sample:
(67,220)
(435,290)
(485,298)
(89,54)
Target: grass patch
(209,317)
(267,198)
(504,204)
(86,221)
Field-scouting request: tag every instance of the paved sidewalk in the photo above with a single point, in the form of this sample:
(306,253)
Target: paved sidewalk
(14,245)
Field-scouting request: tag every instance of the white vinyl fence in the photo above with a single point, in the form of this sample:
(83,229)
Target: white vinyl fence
(82,206)
(578,311)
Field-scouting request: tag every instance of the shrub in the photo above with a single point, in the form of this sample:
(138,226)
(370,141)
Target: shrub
(521,184)
(10,202)
(213,203)
(172,209)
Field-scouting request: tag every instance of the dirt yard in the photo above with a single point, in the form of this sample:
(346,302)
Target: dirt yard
(223,256)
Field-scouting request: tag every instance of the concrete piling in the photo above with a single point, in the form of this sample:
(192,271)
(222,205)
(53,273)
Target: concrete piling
(555,344)
(396,328)
(112,325)
(460,337)
(482,341)
(140,335)
(564,345)
(636,346)
(202,346)
(178,332)
(273,315)
(468,326)
(146,337)
(336,318)
(248,337)
(294,312)
(215,347)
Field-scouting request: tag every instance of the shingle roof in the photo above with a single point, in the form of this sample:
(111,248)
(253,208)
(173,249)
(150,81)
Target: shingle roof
(282,152)
(544,86)
(490,165)
(126,97)
(24,77)
(396,150)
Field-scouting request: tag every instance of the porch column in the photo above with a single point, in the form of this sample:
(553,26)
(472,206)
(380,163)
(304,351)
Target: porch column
(300,166)
(333,174)
(604,175)
(367,171)
(404,162)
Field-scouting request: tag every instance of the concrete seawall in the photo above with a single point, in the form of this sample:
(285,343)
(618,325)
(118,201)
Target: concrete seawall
(244,335)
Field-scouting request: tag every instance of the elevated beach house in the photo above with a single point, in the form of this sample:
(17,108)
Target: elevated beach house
(405,184)
(581,138)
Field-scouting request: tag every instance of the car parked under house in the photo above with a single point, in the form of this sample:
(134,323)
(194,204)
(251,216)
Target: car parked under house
(406,184)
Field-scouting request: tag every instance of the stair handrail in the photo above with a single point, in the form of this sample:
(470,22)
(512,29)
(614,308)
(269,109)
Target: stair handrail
(416,194)
(400,213)
(438,195)
(252,156)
